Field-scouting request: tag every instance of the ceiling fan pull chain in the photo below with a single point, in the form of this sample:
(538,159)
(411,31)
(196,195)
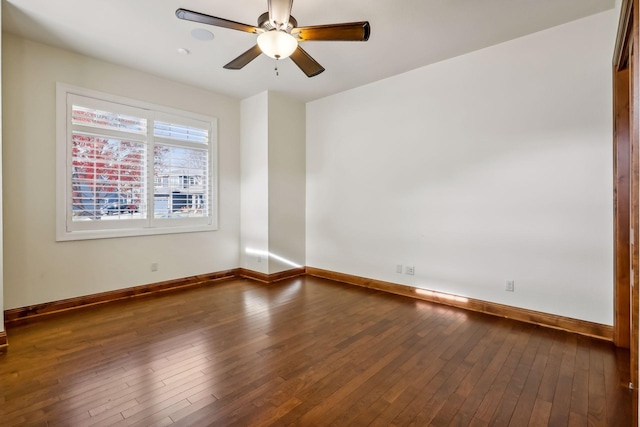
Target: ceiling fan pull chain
(277,72)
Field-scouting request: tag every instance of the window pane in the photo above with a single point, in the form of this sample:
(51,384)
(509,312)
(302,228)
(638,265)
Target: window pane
(107,120)
(181,187)
(180,132)
(107,178)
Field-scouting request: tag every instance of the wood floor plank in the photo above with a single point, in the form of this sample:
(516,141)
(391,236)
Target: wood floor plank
(505,410)
(303,351)
(540,413)
(405,393)
(580,388)
(597,401)
(493,349)
(562,396)
(365,403)
(475,390)
(526,401)
(493,398)
(431,396)
(459,385)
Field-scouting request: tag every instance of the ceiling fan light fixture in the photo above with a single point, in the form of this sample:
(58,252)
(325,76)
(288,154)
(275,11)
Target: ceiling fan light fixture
(277,44)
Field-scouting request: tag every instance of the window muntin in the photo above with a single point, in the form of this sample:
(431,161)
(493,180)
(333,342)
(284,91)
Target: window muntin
(132,168)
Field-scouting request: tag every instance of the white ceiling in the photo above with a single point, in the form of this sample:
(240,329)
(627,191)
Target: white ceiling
(405,34)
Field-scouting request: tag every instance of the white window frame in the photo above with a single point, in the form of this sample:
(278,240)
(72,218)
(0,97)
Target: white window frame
(66,229)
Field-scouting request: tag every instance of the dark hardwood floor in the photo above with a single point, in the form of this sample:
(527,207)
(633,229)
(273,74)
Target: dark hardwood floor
(303,352)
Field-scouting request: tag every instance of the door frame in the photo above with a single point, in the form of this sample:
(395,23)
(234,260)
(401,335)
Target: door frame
(626,188)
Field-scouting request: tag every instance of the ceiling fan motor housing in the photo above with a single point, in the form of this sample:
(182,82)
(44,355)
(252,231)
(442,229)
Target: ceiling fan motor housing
(265,23)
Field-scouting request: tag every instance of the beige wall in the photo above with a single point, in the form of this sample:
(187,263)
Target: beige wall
(39,269)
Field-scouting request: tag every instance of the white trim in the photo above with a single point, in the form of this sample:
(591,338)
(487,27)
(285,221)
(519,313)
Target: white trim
(137,226)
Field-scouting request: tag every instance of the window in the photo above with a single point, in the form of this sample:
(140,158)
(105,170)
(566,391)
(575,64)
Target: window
(129,168)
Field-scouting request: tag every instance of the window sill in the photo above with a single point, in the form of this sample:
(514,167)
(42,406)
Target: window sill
(64,236)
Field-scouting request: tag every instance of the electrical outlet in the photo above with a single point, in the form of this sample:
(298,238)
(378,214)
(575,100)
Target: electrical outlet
(410,270)
(154,266)
(399,268)
(510,286)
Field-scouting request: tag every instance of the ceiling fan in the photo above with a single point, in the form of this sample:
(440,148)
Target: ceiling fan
(279,35)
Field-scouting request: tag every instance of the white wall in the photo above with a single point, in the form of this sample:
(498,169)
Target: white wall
(39,269)
(255,183)
(273,183)
(286,183)
(488,167)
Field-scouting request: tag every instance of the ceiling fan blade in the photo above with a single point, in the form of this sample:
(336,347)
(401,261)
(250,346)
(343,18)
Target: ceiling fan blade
(306,63)
(244,59)
(279,12)
(350,31)
(189,15)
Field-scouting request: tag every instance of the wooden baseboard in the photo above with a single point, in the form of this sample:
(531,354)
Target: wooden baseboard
(583,327)
(37,310)
(271,278)
(4,342)
(543,319)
